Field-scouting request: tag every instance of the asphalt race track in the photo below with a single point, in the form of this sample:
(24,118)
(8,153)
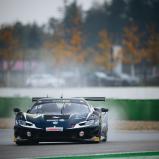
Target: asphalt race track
(118,141)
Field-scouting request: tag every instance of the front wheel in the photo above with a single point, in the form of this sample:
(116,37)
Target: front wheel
(29,142)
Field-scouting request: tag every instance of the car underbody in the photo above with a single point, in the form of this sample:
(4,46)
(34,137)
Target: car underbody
(23,135)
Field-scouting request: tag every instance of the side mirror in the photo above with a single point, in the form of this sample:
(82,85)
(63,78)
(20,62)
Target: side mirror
(16,110)
(104,110)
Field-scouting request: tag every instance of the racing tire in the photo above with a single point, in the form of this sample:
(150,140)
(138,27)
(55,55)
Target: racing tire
(20,143)
(31,142)
(105,136)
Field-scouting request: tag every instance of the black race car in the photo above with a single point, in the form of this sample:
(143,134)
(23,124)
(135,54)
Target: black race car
(62,119)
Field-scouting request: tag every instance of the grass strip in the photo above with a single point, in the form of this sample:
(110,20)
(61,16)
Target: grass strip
(105,156)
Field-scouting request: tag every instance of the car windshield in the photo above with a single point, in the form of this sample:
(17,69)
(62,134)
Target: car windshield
(60,108)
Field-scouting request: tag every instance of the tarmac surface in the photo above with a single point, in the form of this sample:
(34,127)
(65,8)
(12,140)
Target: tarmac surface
(118,141)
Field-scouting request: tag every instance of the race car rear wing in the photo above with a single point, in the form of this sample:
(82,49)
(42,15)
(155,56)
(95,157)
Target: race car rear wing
(95,98)
(35,99)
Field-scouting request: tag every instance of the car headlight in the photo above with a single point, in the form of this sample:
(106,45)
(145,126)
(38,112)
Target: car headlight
(20,122)
(92,122)
(23,123)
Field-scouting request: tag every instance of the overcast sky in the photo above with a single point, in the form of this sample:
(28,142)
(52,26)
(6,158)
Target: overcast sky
(38,11)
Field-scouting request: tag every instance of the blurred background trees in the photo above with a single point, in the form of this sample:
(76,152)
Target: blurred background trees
(132,47)
(9,49)
(104,56)
(83,37)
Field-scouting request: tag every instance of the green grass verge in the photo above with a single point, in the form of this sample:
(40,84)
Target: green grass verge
(134,155)
(145,110)
(131,109)
(7,104)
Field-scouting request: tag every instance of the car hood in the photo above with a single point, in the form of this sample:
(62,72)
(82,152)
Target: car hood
(55,120)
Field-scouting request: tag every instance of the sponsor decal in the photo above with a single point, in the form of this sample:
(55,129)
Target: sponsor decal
(95,138)
(55,117)
(62,100)
(54,128)
(55,122)
(52,120)
(61,120)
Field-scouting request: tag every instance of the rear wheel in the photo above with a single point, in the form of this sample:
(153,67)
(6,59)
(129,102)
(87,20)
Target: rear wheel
(106,135)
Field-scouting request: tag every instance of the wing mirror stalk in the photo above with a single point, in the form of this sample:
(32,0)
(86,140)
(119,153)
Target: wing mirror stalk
(104,110)
(16,110)
(101,109)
